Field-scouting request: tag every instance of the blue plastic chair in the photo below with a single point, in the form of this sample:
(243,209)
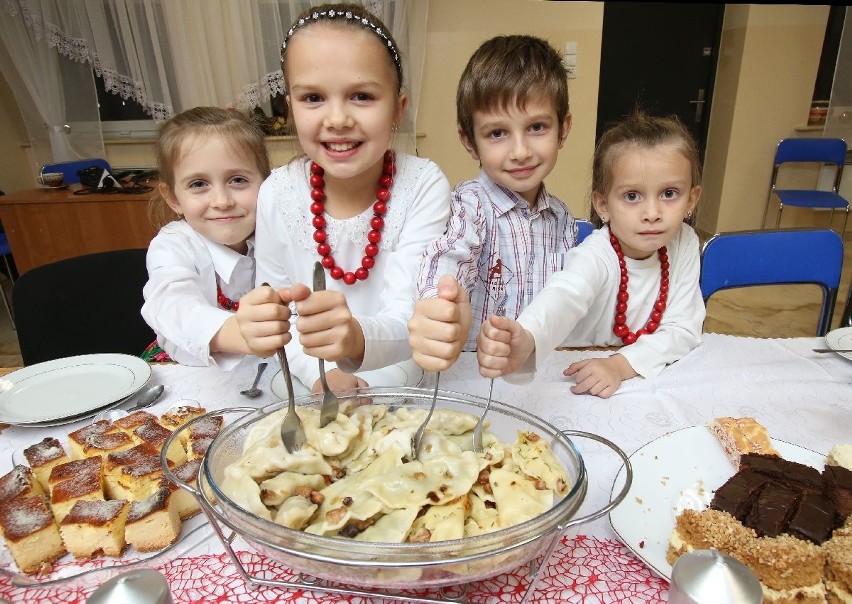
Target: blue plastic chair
(770,257)
(584,229)
(69,169)
(820,151)
(6,252)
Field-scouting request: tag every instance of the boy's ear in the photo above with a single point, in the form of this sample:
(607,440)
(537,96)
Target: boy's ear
(468,144)
(566,128)
(599,203)
(168,196)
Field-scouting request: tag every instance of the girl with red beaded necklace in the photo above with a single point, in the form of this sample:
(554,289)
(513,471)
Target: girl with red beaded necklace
(632,283)
(211,162)
(353,204)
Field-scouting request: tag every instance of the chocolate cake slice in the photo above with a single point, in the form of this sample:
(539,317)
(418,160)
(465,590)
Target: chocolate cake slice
(838,488)
(738,494)
(784,471)
(813,520)
(773,509)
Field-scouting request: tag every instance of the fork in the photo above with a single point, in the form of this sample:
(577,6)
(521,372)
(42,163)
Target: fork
(292,433)
(330,403)
(417,441)
(477,429)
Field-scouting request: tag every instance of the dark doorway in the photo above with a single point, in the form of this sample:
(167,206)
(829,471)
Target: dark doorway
(660,57)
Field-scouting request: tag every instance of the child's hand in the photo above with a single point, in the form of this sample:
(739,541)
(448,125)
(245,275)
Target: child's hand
(600,377)
(439,326)
(502,346)
(263,319)
(339,380)
(326,326)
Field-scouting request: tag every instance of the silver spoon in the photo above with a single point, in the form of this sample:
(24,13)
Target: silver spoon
(292,433)
(417,441)
(832,349)
(148,398)
(254,391)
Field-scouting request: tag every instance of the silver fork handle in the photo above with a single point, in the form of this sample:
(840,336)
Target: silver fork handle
(285,367)
(322,375)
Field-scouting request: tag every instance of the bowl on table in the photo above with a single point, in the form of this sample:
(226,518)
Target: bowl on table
(402,565)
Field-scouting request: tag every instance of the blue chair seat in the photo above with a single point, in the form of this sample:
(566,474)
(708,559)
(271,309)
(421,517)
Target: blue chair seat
(812,199)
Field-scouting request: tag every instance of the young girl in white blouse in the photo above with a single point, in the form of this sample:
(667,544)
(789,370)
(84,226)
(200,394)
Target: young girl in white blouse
(633,282)
(212,162)
(351,203)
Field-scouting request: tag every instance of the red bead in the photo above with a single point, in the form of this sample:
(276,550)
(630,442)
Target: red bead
(663,296)
(664,288)
(361,273)
(317,207)
(380,208)
(620,319)
(318,195)
(621,307)
(368,262)
(236,306)
(664,281)
(629,339)
(371,249)
(377,222)
(620,330)
(641,332)
(319,236)
(386,180)
(374,236)
(652,326)
(383,194)
(623,296)
(622,264)
(316,168)
(656,316)
(664,265)
(327,262)
(660,305)
(324,249)
(316,181)
(623,283)
(318,222)
(336,272)
(349,278)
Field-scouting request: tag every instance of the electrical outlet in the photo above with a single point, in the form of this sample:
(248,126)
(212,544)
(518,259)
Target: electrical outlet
(571,71)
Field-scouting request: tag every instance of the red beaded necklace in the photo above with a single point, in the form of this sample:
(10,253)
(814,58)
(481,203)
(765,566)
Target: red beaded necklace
(226,302)
(620,328)
(377,222)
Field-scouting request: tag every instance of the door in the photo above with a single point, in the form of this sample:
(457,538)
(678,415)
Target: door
(660,57)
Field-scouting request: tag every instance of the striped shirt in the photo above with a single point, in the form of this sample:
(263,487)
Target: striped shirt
(500,250)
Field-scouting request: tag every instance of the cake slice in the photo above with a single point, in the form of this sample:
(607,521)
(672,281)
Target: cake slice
(201,434)
(43,456)
(813,519)
(95,527)
(177,417)
(87,485)
(741,435)
(737,495)
(31,534)
(129,423)
(789,569)
(19,482)
(77,439)
(840,455)
(134,473)
(186,503)
(74,468)
(104,444)
(838,570)
(772,511)
(838,488)
(153,523)
(156,435)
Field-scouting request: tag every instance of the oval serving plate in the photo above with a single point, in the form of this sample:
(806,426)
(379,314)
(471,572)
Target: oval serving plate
(69,387)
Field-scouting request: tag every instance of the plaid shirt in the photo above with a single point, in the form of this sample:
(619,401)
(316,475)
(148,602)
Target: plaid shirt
(499,249)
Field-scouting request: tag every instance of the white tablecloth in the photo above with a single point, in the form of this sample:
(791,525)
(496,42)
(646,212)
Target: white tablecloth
(802,397)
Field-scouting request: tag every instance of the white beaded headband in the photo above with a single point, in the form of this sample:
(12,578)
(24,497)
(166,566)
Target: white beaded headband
(349,15)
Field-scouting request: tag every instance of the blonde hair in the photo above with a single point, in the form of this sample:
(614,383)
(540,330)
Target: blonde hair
(506,71)
(241,130)
(640,130)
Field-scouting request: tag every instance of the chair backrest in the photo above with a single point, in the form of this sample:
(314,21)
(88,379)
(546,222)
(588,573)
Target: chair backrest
(69,169)
(584,229)
(82,305)
(770,257)
(821,150)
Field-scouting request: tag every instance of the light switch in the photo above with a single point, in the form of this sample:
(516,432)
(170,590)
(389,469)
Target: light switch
(569,59)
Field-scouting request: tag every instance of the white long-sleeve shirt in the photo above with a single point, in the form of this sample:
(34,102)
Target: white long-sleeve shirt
(384,302)
(181,307)
(577,305)
(498,248)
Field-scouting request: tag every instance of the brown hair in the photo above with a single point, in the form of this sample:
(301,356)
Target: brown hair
(508,70)
(643,131)
(241,130)
(345,15)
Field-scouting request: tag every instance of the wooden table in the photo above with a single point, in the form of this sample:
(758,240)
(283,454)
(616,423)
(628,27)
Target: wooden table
(45,225)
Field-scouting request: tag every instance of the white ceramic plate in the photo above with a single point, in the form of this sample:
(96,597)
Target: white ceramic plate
(69,387)
(402,374)
(840,339)
(677,471)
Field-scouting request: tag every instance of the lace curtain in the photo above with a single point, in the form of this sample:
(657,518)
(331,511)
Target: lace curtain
(839,121)
(167,55)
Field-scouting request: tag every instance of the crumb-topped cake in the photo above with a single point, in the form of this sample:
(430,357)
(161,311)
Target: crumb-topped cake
(740,435)
(43,456)
(31,534)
